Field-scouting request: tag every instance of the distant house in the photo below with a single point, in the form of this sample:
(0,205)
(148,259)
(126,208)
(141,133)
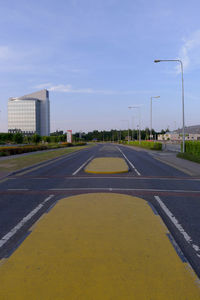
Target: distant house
(173,136)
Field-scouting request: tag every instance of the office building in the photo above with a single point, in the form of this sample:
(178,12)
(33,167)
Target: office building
(30,114)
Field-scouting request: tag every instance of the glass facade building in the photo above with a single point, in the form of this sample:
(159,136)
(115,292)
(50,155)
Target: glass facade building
(29,114)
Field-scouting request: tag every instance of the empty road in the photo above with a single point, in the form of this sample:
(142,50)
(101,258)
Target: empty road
(170,193)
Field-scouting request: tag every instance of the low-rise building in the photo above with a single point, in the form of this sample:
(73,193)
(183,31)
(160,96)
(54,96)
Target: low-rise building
(173,136)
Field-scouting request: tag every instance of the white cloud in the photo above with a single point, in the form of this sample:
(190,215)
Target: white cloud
(69,89)
(190,52)
(5,53)
(44,86)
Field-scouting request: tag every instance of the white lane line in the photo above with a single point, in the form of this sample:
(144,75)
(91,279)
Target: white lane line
(14,230)
(121,189)
(49,162)
(134,168)
(178,225)
(85,163)
(125,178)
(18,189)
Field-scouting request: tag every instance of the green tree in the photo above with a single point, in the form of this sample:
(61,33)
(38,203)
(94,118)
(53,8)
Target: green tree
(18,138)
(36,138)
(46,139)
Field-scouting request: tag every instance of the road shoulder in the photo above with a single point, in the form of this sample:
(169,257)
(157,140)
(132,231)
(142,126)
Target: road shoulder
(188,167)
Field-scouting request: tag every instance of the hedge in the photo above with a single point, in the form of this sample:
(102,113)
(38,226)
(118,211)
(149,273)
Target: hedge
(146,144)
(189,156)
(192,147)
(12,150)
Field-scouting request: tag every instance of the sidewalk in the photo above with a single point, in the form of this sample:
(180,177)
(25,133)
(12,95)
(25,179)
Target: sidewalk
(188,167)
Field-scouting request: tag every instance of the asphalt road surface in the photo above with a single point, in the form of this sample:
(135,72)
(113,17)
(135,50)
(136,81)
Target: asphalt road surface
(172,194)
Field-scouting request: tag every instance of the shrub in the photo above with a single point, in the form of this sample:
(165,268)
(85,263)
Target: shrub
(12,150)
(192,147)
(189,156)
(146,144)
(3,153)
(18,138)
(36,138)
(18,150)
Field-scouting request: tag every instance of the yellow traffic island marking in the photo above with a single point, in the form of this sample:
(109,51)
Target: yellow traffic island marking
(98,246)
(107,165)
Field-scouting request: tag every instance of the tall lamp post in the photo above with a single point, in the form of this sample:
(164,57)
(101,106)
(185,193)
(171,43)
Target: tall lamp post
(132,123)
(151,116)
(183,114)
(130,107)
(128,127)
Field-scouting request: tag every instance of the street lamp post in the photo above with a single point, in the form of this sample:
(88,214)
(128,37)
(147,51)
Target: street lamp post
(183,113)
(139,121)
(151,116)
(132,122)
(128,128)
(132,127)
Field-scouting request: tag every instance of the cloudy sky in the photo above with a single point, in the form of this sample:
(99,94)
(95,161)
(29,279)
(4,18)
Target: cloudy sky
(96,59)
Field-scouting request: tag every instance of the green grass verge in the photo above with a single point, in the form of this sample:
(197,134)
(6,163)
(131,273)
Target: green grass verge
(146,145)
(14,164)
(189,156)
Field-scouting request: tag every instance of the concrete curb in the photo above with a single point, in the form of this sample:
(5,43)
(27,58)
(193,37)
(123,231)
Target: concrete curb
(116,172)
(174,166)
(107,165)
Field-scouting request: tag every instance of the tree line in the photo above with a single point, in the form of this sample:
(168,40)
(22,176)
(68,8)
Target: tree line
(19,138)
(95,135)
(116,135)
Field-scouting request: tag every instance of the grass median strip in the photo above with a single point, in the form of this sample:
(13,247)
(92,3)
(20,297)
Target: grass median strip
(17,163)
(107,165)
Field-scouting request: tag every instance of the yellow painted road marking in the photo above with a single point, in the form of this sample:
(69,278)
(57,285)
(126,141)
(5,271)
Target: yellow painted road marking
(98,247)
(107,165)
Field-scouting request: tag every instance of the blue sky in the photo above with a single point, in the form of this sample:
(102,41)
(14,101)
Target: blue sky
(96,59)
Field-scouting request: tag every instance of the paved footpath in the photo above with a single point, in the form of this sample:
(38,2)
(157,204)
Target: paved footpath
(186,166)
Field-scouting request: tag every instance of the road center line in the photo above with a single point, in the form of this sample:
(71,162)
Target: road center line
(15,229)
(85,163)
(134,168)
(122,189)
(178,225)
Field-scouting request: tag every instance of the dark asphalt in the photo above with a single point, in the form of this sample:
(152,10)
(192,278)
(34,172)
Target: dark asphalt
(147,178)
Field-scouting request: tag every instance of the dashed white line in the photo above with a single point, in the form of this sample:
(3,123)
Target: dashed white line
(85,163)
(178,225)
(14,230)
(134,168)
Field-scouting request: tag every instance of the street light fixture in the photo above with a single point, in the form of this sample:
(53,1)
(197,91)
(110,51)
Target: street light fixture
(151,116)
(183,114)
(139,120)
